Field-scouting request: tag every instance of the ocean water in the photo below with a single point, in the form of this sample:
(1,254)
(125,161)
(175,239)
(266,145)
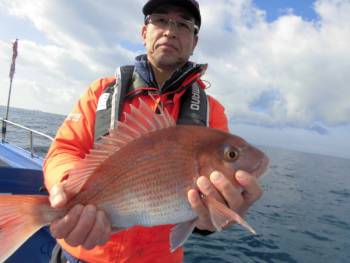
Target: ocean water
(303,216)
(46,123)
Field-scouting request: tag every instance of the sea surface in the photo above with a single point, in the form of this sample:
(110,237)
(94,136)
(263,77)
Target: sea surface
(303,216)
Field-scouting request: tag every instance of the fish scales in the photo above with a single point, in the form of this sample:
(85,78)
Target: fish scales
(128,172)
(139,185)
(142,186)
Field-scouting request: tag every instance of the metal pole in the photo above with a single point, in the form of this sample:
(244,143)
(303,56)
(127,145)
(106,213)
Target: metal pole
(31,143)
(12,73)
(3,130)
(8,101)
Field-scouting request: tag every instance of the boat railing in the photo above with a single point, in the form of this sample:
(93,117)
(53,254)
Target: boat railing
(32,132)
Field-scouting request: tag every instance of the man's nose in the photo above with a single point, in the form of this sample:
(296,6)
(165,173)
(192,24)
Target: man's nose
(171,29)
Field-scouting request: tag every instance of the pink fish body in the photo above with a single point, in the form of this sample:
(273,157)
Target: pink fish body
(140,175)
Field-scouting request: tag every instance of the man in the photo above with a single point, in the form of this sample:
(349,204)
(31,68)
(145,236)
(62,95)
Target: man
(170,35)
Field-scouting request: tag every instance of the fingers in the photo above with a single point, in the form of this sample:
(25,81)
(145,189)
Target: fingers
(252,190)
(224,186)
(99,233)
(238,196)
(84,226)
(196,203)
(218,187)
(107,229)
(62,227)
(208,189)
(58,197)
(204,221)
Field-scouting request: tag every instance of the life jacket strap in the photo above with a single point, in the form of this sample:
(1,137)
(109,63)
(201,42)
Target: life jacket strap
(194,108)
(124,77)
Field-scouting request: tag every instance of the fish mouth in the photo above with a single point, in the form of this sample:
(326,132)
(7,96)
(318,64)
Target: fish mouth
(260,167)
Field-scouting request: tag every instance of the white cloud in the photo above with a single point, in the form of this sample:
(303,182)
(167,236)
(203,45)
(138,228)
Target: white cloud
(286,72)
(85,43)
(81,22)
(44,74)
(305,62)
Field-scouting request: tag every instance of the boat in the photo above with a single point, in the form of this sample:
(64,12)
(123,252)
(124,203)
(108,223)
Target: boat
(21,173)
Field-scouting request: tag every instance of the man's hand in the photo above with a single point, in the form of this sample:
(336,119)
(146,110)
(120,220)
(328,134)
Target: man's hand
(223,190)
(82,225)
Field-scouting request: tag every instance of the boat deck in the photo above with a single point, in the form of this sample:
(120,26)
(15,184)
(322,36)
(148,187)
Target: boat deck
(13,156)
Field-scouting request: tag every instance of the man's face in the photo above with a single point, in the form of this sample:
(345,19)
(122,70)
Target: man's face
(168,47)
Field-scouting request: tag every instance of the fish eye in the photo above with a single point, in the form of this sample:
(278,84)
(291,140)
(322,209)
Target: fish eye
(230,154)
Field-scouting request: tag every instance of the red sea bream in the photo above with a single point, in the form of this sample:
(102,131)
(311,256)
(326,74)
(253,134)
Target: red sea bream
(140,174)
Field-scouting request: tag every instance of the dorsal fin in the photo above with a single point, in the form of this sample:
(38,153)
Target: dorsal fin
(138,122)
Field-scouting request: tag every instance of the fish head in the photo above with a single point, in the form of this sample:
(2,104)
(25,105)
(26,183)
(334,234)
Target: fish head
(229,153)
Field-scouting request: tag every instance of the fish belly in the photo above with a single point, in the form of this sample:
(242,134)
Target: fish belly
(169,213)
(148,188)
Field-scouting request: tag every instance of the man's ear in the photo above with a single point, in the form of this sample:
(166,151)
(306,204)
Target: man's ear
(144,34)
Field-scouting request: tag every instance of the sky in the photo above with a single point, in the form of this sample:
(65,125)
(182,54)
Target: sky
(280,68)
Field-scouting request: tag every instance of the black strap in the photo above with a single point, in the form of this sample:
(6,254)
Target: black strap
(124,81)
(116,93)
(194,107)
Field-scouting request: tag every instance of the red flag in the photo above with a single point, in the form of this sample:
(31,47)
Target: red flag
(14,56)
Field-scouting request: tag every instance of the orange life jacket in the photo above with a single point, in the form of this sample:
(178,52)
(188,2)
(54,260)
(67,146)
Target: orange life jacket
(73,141)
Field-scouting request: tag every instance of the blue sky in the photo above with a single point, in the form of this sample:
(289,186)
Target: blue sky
(280,68)
(28,31)
(276,8)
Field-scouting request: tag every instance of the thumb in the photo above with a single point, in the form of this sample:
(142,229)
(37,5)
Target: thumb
(58,197)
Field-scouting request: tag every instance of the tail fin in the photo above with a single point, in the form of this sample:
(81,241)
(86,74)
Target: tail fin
(20,217)
(221,215)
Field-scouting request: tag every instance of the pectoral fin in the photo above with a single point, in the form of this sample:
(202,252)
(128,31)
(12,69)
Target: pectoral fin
(221,215)
(180,233)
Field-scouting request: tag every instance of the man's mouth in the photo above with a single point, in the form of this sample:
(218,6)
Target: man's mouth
(167,46)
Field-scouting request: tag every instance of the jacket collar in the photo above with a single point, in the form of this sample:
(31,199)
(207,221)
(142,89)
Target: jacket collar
(144,69)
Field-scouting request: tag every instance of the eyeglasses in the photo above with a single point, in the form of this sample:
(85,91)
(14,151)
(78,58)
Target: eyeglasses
(182,26)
